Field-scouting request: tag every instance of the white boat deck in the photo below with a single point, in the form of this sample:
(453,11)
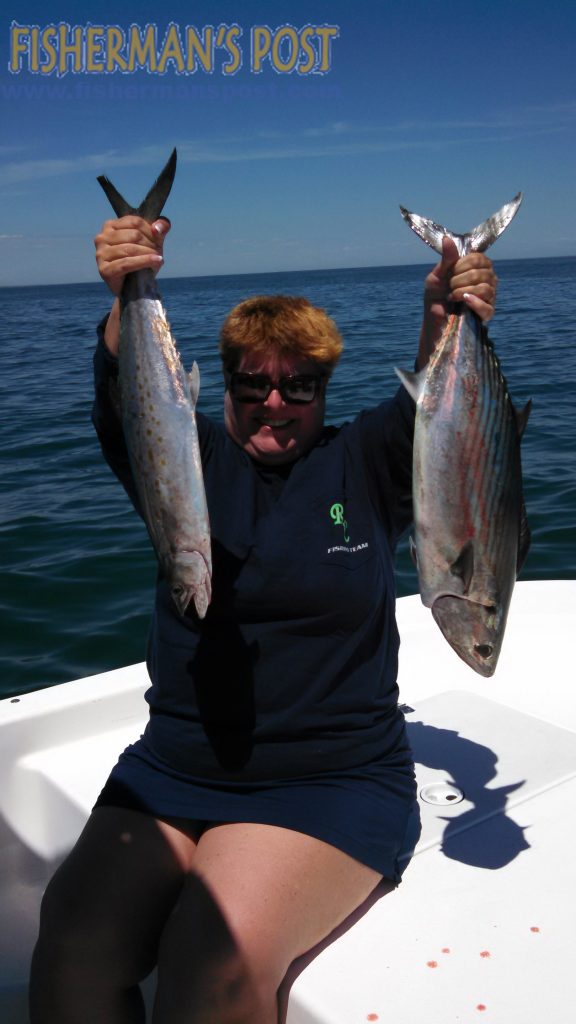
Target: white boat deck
(481,927)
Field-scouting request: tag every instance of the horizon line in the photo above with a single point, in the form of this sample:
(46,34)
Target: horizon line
(270,273)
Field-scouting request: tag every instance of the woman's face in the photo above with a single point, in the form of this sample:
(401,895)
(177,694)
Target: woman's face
(275,431)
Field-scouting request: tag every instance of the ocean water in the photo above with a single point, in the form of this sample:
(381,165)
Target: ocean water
(77,569)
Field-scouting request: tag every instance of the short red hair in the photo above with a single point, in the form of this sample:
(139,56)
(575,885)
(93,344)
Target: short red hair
(279,325)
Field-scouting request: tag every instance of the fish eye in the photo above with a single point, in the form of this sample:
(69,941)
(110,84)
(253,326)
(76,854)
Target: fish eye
(484,650)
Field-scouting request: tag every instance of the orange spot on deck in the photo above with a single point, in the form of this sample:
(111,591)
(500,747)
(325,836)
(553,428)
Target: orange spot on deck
(481,1007)
(372,1016)
(446,949)
(485,954)
(534,929)
(432,963)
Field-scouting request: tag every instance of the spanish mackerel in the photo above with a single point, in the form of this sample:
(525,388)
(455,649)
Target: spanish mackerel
(158,402)
(471,533)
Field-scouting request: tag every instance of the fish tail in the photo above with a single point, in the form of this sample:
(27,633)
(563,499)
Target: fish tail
(478,239)
(152,205)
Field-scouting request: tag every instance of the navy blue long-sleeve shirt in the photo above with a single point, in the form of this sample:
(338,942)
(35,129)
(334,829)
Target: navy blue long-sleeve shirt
(293,670)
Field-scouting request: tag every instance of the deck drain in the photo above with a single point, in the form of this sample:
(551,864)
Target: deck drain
(441,794)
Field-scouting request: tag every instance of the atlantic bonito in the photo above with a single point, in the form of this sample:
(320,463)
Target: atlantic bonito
(157,403)
(471,534)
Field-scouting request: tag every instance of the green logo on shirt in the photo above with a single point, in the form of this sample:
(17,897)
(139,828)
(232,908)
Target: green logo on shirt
(337,514)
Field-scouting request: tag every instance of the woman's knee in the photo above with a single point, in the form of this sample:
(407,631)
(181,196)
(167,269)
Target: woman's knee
(211,973)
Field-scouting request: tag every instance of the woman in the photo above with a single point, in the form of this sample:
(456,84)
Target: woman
(273,789)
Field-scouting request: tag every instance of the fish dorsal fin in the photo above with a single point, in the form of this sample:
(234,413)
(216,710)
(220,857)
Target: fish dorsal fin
(413,382)
(194,382)
(463,566)
(151,207)
(522,417)
(477,240)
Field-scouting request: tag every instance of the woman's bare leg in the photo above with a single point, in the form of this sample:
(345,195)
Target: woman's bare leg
(257,897)
(102,916)
(236,907)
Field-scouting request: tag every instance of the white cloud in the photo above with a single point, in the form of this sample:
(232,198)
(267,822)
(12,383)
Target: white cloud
(338,138)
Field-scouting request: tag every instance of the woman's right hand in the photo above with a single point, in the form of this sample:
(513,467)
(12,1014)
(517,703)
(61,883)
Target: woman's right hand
(124,245)
(127,244)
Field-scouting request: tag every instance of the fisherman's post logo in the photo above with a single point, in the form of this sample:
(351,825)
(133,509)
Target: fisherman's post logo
(186,49)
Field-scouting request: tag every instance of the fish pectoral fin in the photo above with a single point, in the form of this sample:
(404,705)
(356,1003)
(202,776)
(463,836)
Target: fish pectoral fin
(413,550)
(194,382)
(522,417)
(413,382)
(463,566)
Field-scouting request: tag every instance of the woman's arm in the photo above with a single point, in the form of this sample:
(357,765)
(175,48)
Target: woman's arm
(123,245)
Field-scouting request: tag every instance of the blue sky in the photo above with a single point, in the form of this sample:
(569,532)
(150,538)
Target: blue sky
(448,108)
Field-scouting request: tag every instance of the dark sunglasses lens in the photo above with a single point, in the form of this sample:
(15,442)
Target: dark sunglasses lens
(299,389)
(248,387)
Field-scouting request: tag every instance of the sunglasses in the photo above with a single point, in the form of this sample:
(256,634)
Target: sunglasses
(299,389)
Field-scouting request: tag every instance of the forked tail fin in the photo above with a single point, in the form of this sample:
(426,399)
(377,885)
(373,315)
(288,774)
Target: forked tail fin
(477,240)
(151,207)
